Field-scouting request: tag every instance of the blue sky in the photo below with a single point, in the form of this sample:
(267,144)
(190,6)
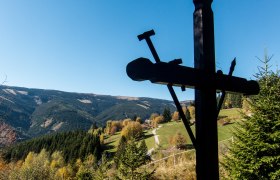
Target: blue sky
(84,46)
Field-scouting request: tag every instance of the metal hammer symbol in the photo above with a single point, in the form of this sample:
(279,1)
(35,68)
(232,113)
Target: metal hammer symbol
(146,36)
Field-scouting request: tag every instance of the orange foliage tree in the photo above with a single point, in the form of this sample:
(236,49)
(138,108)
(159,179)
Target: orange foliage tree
(132,130)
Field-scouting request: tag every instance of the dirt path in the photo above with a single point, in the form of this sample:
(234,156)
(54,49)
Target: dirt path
(156,136)
(156,140)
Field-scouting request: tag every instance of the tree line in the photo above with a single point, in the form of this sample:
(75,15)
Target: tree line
(72,145)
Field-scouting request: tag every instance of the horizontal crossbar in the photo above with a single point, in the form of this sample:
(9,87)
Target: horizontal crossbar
(176,75)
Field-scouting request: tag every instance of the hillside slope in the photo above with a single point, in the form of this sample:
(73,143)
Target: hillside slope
(34,112)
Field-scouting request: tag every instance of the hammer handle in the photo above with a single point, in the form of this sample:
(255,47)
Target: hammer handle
(153,50)
(147,36)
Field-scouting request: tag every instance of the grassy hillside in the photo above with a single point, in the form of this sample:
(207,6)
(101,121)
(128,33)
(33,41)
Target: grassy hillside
(113,141)
(167,130)
(224,131)
(233,113)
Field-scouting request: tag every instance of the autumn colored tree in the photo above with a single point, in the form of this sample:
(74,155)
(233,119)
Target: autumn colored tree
(178,140)
(132,130)
(41,166)
(117,124)
(35,166)
(113,126)
(138,119)
(153,116)
(87,168)
(126,122)
(246,105)
(57,162)
(65,172)
(113,130)
(191,109)
(6,169)
(108,126)
(159,119)
(154,124)
(175,116)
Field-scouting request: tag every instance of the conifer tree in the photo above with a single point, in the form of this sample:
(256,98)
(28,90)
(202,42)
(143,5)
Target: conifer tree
(84,174)
(166,114)
(131,160)
(232,101)
(187,113)
(101,171)
(143,150)
(120,150)
(255,152)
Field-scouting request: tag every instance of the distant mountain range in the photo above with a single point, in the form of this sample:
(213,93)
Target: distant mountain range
(34,112)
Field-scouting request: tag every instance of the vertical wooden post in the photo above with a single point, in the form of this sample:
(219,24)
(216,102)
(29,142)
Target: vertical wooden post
(205,99)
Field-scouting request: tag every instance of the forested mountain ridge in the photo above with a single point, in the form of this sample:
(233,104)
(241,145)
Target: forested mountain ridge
(33,112)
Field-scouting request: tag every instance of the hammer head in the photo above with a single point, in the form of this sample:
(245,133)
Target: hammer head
(146,35)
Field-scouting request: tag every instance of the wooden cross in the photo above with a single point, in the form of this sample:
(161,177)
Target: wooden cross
(203,78)
(173,74)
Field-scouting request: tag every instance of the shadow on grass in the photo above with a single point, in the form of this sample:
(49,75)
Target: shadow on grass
(107,147)
(147,136)
(187,147)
